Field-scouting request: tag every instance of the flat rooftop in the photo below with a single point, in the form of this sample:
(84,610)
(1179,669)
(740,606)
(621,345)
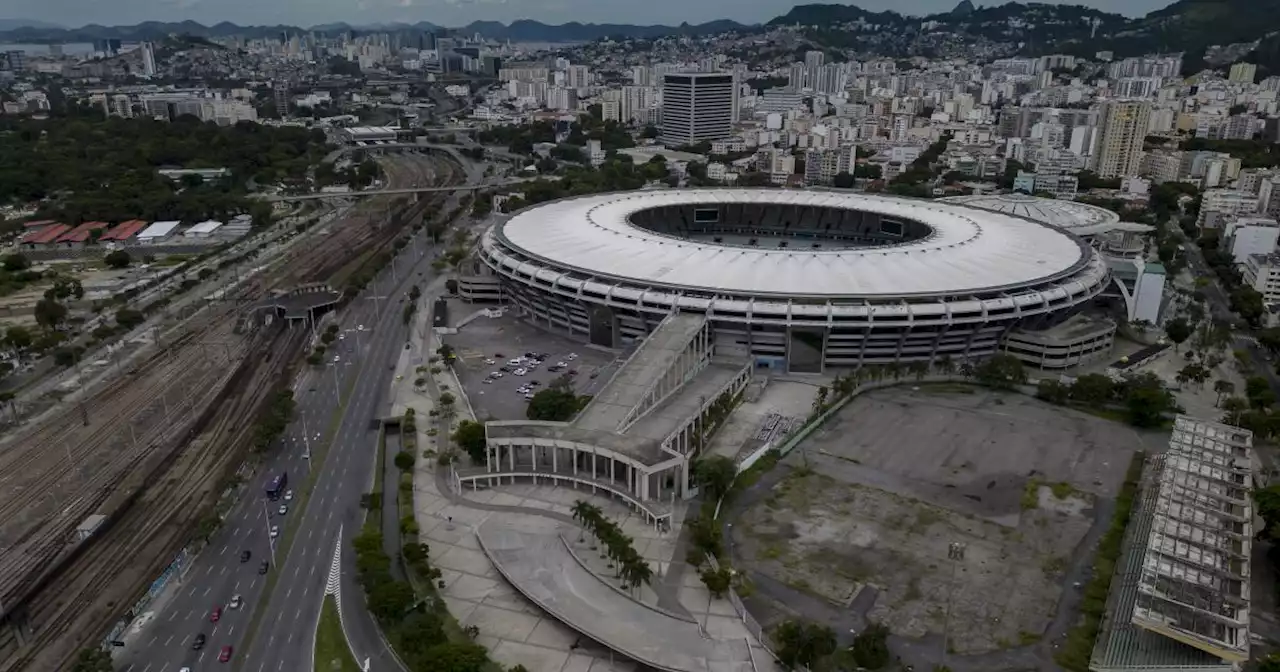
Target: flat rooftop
(1196,569)
(669,415)
(1180,597)
(626,389)
(646,451)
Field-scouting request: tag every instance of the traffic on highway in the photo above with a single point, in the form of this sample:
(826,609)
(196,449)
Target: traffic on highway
(253,596)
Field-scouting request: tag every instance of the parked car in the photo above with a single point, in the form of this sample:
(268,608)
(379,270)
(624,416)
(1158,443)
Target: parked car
(262,569)
(275,531)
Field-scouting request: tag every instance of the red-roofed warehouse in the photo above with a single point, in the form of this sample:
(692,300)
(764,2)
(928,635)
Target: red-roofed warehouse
(123,231)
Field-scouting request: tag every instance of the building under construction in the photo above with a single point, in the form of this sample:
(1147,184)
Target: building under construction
(1180,596)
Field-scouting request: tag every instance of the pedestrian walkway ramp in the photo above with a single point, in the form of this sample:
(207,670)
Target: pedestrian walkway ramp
(542,569)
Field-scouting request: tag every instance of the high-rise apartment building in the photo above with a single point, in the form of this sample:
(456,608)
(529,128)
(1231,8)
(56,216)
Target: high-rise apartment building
(1122,126)
(148,59)
(1243,72)
(696,106)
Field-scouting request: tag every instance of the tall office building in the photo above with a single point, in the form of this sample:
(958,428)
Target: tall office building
(281,91)
(148,59)
(696,106)
(1122,126)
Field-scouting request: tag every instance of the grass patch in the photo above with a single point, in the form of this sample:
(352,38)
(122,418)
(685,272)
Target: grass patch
(1076,650)
(1031,495)
(1027,638)
(332,652)
(1062,490)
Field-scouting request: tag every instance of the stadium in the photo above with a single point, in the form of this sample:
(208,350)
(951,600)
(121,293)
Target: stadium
(800,280)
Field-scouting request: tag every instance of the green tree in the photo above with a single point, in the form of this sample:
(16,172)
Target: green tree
(715,474)
(870,647)
(1092,389)
(15,262)
(1001,372)
(18,337)
(470,437)
(92,660)
(49,313)
(1147,401)
(717,581)
(1178,331)
(389,600)
(457,657)
(404,460)
(554,403)
(803,642)
(129,318)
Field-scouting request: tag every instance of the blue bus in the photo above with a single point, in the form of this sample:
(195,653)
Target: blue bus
(277,486)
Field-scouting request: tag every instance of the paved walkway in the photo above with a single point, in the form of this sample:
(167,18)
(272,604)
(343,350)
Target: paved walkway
(541,568)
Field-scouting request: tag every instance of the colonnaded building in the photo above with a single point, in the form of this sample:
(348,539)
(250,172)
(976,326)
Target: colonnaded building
(802,280)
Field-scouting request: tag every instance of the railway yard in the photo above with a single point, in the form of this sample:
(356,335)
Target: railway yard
(151,449)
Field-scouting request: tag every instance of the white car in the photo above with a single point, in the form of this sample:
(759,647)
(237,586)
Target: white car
(235,602)
(284,508)
(515,362)
(571,356)
(562,365)
(490,362)
(360,327)
(342,337)
(496,374)
(336,359)
(275,531)
(520,372)
(288,495)
(487,381)
(528,397)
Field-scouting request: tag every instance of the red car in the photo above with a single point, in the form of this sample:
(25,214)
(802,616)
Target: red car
(215,614)
(225,655)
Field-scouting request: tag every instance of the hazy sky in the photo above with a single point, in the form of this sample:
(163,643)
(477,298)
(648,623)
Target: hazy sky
(456,12)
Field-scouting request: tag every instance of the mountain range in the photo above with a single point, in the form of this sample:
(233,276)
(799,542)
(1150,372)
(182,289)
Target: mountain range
(1186,25)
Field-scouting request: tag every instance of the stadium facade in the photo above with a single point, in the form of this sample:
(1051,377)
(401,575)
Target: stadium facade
(800,280)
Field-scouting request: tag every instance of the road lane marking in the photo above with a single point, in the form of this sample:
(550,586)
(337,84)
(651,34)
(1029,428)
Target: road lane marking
(166,642)
(223,551)
(147,668)
(224,571)
(172,614)
(231,630)
(153,640)
(206,592)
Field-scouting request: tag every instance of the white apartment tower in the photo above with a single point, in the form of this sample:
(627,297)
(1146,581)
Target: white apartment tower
(696,106)
(1122,126)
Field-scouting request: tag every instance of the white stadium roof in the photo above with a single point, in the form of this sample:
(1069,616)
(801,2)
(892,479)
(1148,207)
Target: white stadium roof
(970,249)
(1079,218)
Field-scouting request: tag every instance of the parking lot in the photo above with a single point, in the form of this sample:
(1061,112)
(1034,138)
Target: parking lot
(488,345)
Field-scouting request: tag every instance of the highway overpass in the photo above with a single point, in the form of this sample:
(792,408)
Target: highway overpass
(393,192)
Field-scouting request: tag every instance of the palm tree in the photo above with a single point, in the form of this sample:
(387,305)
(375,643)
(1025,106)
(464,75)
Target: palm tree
(945,365)
(1223,388)
(581,510)
(920,369)
(966,369)
(1234,407)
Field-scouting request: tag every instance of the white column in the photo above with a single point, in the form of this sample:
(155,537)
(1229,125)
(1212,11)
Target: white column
(555,459)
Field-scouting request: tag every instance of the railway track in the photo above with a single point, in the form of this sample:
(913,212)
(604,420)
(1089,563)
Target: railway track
(154,482)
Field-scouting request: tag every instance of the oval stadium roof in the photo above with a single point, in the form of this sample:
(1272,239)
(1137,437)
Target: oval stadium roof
(970,249)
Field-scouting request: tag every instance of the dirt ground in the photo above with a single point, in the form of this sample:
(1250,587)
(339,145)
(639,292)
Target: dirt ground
(880,496)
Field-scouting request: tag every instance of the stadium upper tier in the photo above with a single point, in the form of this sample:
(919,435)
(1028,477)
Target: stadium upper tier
(860,267)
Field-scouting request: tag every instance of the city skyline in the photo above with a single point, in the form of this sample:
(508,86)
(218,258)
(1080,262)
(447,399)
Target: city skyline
(459,12)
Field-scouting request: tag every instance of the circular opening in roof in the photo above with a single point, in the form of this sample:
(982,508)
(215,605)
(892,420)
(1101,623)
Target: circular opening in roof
(779,225)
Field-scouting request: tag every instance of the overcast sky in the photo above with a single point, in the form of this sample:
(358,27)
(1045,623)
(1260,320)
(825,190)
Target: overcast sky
(456,12)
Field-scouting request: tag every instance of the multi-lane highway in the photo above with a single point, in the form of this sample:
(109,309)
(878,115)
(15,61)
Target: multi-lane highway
(344,459)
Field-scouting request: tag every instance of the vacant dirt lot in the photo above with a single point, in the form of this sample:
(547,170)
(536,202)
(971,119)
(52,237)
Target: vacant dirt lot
(880,496)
